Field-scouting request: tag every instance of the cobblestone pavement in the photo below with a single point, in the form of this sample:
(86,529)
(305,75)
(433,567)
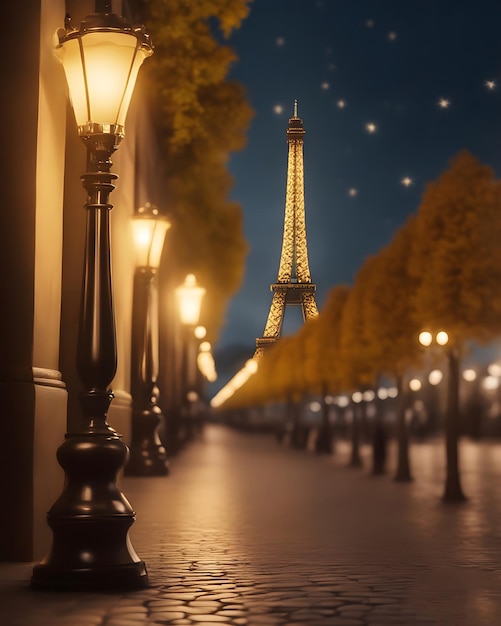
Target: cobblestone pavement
(246,532)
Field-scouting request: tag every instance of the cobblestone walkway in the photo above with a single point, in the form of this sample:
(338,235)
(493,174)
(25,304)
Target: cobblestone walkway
(245,532)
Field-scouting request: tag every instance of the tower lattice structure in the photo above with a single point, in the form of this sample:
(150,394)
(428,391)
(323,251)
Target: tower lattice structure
(293,286)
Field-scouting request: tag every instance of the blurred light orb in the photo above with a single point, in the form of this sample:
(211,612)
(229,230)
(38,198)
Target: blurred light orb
(494,369)
(330,399)
(368,395)
(435,377)
(415,384)
(469,375)
(315,406)
(392,392)
(425,338)
(357,397)
(342,401)
(442,338)
(490,383)
(382,393)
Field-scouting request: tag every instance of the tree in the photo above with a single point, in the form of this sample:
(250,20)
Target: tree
(359,368)
(201,118)
(392,327)
(323,362)
(456,257)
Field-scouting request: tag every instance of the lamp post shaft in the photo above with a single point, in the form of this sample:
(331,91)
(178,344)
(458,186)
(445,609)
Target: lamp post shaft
(148,456)
(91,549)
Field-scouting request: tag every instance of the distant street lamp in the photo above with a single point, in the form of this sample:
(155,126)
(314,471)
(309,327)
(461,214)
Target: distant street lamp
(147,454)
(189,297)
(453,491)
(91,519)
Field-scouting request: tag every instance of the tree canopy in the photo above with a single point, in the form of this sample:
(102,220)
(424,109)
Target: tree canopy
(202,116)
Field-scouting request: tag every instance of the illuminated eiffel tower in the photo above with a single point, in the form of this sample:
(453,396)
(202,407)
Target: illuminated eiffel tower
(293,286)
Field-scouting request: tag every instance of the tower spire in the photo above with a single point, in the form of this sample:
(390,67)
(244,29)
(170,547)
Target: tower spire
(293,286)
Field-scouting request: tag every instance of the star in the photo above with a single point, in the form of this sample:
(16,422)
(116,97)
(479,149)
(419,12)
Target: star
(280,41)
(444,103)
(392,35)
(490,84)
(278,109)
(370,127)
(352,192)
(406,181)
(369,23)
(341,104)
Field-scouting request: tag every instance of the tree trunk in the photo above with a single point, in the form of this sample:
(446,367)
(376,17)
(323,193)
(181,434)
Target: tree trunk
(453,491)
(323,444)
(403,473)
(355,460)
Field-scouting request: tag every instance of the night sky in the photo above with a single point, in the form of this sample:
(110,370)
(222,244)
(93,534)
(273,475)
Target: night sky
(389,91)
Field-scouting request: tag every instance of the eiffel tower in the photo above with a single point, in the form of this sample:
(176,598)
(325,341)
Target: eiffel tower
(293,286)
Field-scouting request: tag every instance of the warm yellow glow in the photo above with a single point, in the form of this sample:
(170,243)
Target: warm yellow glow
(494,369)
(435,377)
(200,332)
(442,338)
(148,231)
(205,346)
(251,366)
(490,383)
(469,375)
(382,393)
(425,338)
(415,384)
(101,70)
(357,397)
(189,297)
(342,401)
(315,406)
(392,392)
(369,395)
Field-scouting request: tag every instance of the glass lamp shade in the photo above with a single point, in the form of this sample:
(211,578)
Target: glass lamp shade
(101,61)
(189,297)
(149,229)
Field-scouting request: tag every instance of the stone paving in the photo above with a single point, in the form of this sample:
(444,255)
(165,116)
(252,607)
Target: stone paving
(247,532)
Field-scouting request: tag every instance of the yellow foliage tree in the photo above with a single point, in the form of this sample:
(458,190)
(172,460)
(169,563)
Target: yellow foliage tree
(201,118)
(391,324)
(457,260)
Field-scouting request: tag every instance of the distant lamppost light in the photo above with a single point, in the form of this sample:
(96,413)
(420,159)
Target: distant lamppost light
(415,384)
(189,296)
(469,375)
(382,393)
(435,377)
(494,369)
(392,392)
(368,395)
(490,383)
(149,228)
(357,397)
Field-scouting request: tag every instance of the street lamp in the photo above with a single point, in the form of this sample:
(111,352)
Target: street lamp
(453,490)
(90,520)
(189,298)
(147,454)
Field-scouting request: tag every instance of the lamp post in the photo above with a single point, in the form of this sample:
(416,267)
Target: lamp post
(453,491)
(189,297)
(147,454)
(90,520)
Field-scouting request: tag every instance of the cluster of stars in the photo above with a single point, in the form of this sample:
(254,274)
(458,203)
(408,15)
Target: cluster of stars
(371,127)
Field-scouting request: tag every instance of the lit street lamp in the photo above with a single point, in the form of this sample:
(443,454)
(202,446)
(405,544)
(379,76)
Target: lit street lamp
(147,454)
(90,520)
(453,490)
(189,298)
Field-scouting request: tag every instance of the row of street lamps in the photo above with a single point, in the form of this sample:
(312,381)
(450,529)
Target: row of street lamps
(90,520)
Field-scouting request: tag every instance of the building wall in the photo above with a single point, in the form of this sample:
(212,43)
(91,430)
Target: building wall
(41,250)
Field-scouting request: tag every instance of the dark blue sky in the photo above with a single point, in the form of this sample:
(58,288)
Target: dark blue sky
(390,62)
